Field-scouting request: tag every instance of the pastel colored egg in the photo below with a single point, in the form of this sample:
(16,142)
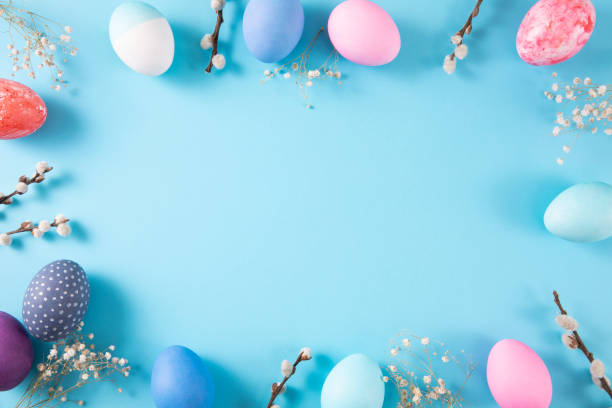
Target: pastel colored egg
(364,33)
(56,300)
(142,38)
(16,353)
(517,376)
(180,379)
(355,382)
(582,213)
(22,111)
(272,28)
(555,30)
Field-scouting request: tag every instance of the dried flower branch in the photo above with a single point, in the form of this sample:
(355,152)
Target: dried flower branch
(287,371)
(60,223)
(416,374)
(305,74)
(66,359)
(212,40)
(573,341)
(591,113)
(461,50)
(22,185)
(41,40)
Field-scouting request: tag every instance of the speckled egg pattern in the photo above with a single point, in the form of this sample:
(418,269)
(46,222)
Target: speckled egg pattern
(555,30)
(56,300)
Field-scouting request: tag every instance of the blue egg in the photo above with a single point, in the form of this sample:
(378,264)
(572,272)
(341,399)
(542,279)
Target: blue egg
(56,300)
(355,382)
(582,213)
(272,28)
(180,379)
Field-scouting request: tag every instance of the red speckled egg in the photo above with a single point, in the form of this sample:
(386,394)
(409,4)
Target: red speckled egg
(22,111)
(555,30)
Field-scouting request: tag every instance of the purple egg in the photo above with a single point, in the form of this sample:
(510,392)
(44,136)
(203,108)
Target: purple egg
(16,353)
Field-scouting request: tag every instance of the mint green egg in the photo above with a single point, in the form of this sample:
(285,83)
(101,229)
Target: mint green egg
(355,382)
(582,213)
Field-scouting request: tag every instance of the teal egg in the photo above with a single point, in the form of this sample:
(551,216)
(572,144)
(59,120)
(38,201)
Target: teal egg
(355,382)
(582,213)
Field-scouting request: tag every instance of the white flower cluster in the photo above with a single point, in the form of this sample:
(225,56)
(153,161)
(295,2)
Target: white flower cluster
(208,41)
(460,52)
(60,223)
(591,111)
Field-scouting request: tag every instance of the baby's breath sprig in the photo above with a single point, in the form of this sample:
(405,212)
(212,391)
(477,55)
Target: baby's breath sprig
(43,38)
(287,371)
(305,74)
(572,340)
(212,40)
(60,223)
(592,108)
(461,50)
(71,364)
(22,185)
(415,372)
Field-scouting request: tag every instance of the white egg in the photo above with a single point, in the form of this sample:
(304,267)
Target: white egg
(142,38)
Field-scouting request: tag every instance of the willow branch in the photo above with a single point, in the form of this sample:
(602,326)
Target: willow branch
(37,178)
(28,226)
(467,27)
(278,388)
(581,346)
(215,40)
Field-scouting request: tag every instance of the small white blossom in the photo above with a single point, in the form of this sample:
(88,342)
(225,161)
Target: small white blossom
(425,341)
(37,233)
(461,51)
(456,39)
(219,61)
(394,351)
(217,5)
(59,218)
(427,379)
(286,368)
(449,64)
(41,167)
(5,240)
(306,353)
(64,229)
(44,226)
(569,341)
(597,369)
(21,187)
(85,376)
(567,322)
(406,342)
(597,381)
(206,42)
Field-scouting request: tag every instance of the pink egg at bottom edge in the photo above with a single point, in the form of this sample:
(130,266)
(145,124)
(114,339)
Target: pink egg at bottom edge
(517,376)
(22,111)
(363,32)
(555,30)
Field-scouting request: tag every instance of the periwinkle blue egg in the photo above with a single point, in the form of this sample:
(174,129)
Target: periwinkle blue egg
(272,28)
(180,379)
(582,213)
(56,300)
(355,382)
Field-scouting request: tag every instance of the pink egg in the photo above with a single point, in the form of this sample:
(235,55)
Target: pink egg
(22,111)
(364,33)
(517,376)
(555,30)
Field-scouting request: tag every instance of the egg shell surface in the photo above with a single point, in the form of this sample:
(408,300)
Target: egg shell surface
(364,33)
(180,379)
(22,111)
(355,382)
(555,30)
(272,28)
(16,353)
(142,38)
(517,376)
(56,300)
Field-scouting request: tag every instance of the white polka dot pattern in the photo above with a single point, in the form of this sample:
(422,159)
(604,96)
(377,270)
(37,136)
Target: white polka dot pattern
(56,300)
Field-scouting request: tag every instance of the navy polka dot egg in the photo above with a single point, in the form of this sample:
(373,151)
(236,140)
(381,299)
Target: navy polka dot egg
(56,300)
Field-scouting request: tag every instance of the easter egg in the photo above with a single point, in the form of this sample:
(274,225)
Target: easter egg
(22,111)
(355,382)
(363,32)
(56,300)
(180,379)
(16,353)
(582,213)
(517,376)
(555,30)
(142,38)
(272,28)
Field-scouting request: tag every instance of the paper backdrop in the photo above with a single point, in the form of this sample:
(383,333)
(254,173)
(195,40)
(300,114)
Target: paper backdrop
(407,199)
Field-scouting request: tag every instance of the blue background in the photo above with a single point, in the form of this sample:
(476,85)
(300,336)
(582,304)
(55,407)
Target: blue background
(220,214)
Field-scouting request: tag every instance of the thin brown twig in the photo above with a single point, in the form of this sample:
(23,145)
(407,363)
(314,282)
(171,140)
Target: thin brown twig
(36,178)
(467,27)
(28,226)
(581,346)
(215,40)
(277,388)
